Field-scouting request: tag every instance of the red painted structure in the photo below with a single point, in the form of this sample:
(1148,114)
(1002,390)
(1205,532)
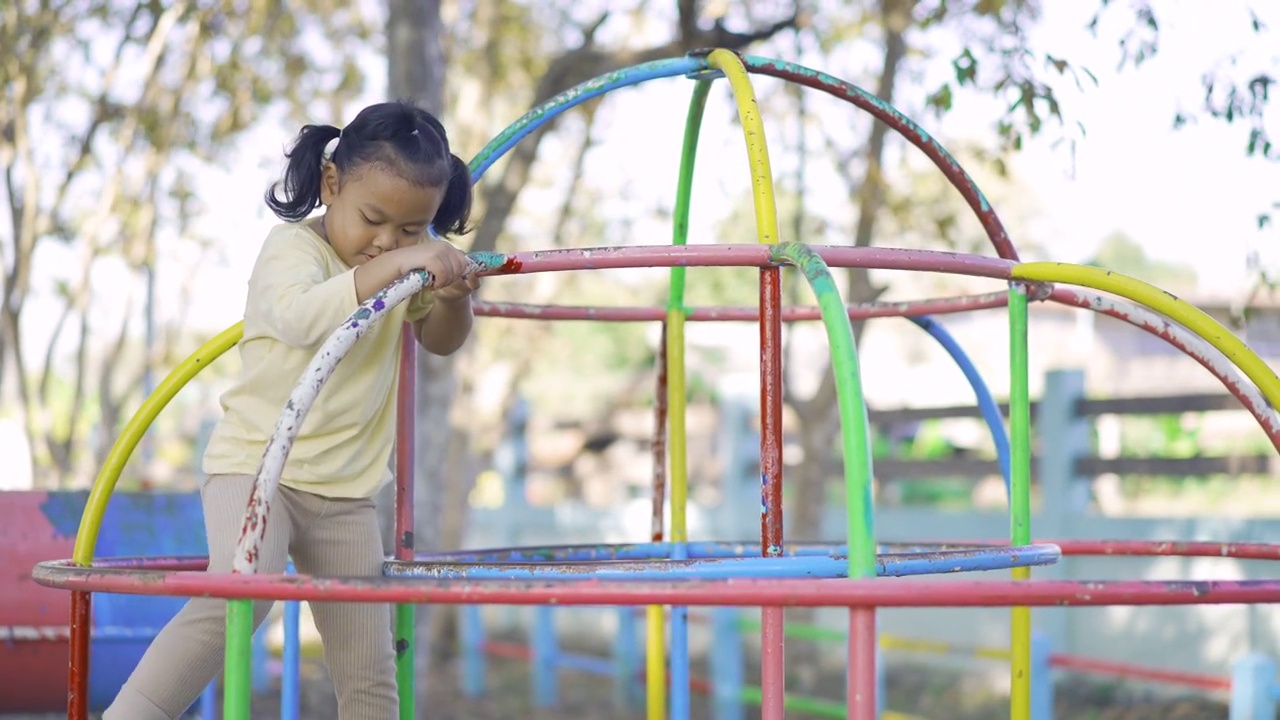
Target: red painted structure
(31,672)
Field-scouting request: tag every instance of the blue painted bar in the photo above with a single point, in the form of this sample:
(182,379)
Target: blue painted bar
(545,653)
(1253,682)
(663,550)
(209,701)
(726,665)
(474,664)
(626,661)
(575,96)
(678,653)
(986,401)
(833,566)
(1041,677)
(290,689)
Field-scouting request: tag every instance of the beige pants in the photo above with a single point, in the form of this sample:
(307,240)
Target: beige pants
(326,537)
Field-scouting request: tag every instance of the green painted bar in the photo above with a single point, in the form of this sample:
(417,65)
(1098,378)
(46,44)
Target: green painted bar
(798,703)
(404,660)
(237,675)
(855,432)
(799,631)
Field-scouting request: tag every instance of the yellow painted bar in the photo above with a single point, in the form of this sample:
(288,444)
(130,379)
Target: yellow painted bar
(655,664)
(757,149)
(1180,311)
(937,647)
(677,444)
(1020,655)
(109,473)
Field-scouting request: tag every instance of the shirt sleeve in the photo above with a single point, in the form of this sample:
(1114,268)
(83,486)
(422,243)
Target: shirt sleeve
(419,306)
(291,296)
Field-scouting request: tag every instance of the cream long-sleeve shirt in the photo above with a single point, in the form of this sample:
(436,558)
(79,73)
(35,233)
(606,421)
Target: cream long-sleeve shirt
(299,292)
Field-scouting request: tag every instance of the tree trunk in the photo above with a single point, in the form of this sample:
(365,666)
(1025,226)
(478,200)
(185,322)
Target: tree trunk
(416,65)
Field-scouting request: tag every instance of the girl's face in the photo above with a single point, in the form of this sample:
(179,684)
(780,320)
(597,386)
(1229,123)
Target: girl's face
(373,210)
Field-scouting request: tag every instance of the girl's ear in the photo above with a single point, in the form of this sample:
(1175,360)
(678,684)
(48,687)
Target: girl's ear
(328,184)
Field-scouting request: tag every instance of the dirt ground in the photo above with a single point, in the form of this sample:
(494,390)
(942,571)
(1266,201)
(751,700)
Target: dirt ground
(916,691)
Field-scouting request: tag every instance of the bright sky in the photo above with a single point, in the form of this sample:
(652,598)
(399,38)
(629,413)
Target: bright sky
(1187,196)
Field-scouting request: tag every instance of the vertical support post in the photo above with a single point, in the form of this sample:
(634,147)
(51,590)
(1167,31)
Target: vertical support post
(545,661)
(1064,493)
(726,664)
(1253,688)
(772,647)
(474,663)
(625,663)
(236,685)
(78,661)
(655,676)
(404,613)
(1019,498)
(290,675)
(1041,677)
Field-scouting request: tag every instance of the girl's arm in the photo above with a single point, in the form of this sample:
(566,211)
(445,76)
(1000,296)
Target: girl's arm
(446,326)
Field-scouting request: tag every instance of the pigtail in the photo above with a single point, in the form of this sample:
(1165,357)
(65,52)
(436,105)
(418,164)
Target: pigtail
(302,175)
(455,209)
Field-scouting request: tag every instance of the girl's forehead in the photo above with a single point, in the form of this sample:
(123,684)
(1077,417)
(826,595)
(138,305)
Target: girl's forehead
(381,189)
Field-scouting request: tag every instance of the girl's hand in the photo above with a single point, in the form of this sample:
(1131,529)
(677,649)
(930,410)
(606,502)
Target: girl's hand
(459,290)
(445,262)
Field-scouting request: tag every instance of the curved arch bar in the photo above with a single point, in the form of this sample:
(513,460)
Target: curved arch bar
(1186,341)
(577,95)
(1189,316)
(861,311)
(905,127)
(802,592)
(986,402)
(724,568)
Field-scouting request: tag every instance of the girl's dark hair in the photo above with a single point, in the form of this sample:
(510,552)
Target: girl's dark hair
(397,136)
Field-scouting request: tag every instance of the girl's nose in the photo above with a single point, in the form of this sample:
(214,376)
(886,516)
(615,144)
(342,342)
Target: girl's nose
(385,242)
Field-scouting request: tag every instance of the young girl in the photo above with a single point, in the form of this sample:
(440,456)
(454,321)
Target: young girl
(383,181)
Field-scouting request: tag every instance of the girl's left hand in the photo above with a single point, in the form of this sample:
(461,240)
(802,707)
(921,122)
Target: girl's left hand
(459,290)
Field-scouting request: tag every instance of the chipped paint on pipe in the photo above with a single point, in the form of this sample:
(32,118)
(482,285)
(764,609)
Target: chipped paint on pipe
(752,255)
(858,311)
(803,592)
(325,361)
(659,489)
(1191,344)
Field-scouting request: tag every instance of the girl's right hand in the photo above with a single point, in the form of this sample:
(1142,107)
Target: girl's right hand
(446,263)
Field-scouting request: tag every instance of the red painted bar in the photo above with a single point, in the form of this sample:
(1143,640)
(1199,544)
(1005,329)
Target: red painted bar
(1107,668)
(870,592)
(507,650)
(78,665)
(864,311)
(909,130)
(773,652)
(405,409)
(860,688)
(753,255)
(656,530)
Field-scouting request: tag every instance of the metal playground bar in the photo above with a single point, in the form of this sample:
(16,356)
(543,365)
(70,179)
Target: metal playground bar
(669,572)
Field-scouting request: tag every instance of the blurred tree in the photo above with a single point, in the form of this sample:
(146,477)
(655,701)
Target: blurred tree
(1120,253)
(111,109)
